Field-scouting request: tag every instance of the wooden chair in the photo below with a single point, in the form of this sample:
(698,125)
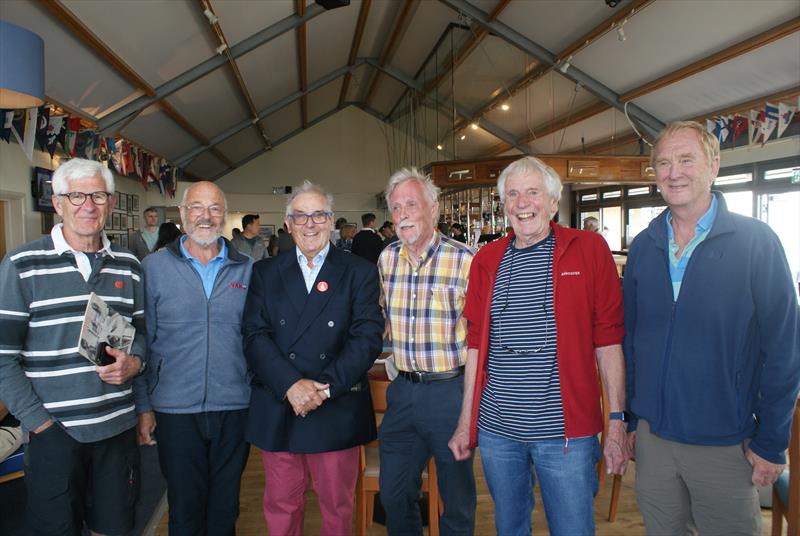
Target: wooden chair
(12,467)
(368,484)
(786,491)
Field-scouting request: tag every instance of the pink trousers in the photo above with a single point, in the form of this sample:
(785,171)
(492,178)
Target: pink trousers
(333,475)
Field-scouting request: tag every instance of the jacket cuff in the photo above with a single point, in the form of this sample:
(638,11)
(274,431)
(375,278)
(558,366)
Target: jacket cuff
(769,455)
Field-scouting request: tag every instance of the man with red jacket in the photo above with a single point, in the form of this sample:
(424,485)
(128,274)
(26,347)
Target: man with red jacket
(544,310)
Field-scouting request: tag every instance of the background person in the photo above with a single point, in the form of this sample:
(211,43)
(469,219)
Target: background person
(249,241)
(144,240)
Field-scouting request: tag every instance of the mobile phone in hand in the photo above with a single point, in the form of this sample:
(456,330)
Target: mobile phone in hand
(104,357)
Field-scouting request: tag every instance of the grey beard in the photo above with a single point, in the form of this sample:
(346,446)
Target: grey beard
(202,242)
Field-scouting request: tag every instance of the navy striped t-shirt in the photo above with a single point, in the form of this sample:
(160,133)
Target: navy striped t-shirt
(522,398)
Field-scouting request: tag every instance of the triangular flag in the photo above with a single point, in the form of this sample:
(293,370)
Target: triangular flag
(84,146)
(723,128)
(755,126)
(55,131)
(738,126)
(769,121)
(29,124)
(6,117)
(41,127)
(73,128)
(785,114)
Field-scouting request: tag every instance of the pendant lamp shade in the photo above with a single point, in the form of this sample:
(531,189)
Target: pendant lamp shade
(21,67)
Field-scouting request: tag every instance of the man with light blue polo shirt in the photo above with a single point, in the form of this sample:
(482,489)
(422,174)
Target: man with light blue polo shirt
(711,348)
(198,387)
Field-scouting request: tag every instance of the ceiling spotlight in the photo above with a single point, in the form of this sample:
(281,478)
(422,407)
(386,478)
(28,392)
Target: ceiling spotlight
(621,31)
(222,48)
(474,126)
(439,147)
(505,107)
(463,137)
(565,65)
(612,3)
(212,19)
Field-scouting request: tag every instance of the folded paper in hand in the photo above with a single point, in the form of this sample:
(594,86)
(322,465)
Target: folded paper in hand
(102,324)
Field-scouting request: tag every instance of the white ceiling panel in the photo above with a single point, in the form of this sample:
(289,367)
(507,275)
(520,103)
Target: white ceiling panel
(211,104)
(206,166)
(328,40)
(389,90)
(768,69)
(67,61)
(239,19)
(183,39)
(428,23)
(283,121)
(242,145)
(270,71)
(324,99)
(556,24)
(669,35)
(382,14)
(161,133)
(491,67)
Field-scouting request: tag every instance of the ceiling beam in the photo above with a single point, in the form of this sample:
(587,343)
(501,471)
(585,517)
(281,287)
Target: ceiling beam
(274,107)
(94,43)
(650,124)
(202,69)
(219,36)
(743,47)
(302,57)
(538,71)
(400,26)
(358,34)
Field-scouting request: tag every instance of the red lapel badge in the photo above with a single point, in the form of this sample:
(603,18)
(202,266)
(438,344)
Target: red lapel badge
(322,286)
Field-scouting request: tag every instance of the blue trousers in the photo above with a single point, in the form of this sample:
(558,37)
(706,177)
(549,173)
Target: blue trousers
(202,456)
(419,421)
(567,478)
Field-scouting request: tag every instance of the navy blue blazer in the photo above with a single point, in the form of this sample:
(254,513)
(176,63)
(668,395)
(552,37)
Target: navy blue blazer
(332,335)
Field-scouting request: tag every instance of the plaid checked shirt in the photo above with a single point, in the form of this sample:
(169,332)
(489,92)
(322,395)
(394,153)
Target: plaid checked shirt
(423,302)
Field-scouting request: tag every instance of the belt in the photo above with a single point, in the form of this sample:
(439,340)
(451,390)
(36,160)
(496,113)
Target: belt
(418,376)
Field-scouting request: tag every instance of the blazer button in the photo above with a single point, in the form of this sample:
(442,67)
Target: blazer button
(283,321)
(322,356)
(330,323)
(291,355)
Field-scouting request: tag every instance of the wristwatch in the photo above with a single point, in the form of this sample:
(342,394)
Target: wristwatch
(143,365)
(623,416)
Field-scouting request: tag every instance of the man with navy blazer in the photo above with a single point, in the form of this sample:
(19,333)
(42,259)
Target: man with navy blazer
(312,329)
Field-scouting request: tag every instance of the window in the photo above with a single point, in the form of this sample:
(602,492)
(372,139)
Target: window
(739,202)
(783,173)
(639,219)
(640,190)
(613,194)
(737,178)
(588,197)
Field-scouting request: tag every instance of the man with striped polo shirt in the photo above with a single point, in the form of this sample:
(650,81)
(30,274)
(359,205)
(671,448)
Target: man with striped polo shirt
(423,286)
(82,462)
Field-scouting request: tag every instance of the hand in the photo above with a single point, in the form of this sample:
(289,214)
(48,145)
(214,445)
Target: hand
(387,330)
(306,395)
(122,370)
(459,443)
(764,473)
(615,449)
(43,427)
(632,444)
(145,426)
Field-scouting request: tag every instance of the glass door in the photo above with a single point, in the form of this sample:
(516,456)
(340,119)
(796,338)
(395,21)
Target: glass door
(781,211)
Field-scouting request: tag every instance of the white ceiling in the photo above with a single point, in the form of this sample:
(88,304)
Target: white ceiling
(161,39)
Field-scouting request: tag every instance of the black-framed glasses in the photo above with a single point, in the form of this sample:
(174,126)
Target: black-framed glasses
(318,217)
(540,309)
(79,198)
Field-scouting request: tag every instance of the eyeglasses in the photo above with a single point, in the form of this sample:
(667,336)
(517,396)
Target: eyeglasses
(79,198)
(196,209)
(319,216)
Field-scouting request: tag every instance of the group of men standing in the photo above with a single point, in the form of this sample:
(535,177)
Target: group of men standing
(503,349)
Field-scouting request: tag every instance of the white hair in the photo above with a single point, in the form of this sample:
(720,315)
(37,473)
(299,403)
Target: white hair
(412,174)
(80,168)
(309,187)
(528,166)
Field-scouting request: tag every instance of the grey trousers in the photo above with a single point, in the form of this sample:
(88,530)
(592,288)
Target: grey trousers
(679,485)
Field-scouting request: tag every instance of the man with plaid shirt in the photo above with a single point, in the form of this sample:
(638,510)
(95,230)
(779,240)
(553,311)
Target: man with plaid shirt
(423,280)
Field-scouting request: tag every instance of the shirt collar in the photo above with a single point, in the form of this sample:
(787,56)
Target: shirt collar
(61,246)
(433,246)
(319,258)
(703,224)
(223,250)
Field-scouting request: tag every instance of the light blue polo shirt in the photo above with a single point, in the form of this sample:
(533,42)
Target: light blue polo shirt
(208,273)
(677,267)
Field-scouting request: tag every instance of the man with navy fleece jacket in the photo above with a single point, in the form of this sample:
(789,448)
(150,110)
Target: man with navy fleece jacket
(712,349)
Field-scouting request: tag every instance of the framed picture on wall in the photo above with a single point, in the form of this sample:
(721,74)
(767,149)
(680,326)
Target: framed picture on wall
(47,222)
(135,204)
(115,223)
(130,202)
(135,222)
(42,190)
(266,231)
(122,201)
(109,223)
(130,222)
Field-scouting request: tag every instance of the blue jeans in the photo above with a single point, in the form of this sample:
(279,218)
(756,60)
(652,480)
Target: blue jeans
(419,421)
(567,478)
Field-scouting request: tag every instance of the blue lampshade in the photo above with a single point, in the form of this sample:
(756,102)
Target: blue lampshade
(21,67)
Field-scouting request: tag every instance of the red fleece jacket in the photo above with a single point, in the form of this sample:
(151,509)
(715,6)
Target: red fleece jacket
(588,309)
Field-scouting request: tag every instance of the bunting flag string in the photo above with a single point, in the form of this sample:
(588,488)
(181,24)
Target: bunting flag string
(47,130)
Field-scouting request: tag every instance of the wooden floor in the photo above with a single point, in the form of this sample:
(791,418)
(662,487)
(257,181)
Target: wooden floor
(629,520)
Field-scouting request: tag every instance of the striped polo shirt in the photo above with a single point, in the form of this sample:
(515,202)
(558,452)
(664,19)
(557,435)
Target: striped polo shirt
(522,398)
(46,286)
